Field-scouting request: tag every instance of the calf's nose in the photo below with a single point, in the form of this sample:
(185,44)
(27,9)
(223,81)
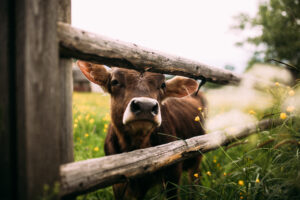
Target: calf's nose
(142,109)
(144,105)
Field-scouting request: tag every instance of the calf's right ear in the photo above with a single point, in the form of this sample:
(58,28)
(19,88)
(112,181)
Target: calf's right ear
(96,73)
(180,86)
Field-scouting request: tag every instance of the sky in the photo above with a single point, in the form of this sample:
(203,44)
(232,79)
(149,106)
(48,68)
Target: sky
(195,29)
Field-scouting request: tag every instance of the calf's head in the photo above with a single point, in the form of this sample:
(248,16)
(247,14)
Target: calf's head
(136,98)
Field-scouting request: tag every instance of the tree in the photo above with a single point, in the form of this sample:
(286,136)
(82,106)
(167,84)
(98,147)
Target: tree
(279,38)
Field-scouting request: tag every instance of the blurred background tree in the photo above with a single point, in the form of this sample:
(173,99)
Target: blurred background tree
(278,24)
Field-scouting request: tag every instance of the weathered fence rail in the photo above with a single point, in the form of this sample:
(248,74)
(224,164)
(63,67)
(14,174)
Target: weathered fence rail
(83,45)
(84,176)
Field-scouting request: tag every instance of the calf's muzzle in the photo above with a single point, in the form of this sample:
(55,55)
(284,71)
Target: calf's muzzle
(142,109)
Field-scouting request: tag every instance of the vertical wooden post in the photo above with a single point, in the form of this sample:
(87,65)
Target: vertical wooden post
(30,101)
(7,165)
(66,89)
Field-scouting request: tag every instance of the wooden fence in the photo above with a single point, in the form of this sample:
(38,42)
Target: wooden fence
(88,46)
(36,103)
(84,176)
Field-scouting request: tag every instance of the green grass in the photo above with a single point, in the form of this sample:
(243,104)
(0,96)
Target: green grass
(252,172)
(90,120)
(264,167)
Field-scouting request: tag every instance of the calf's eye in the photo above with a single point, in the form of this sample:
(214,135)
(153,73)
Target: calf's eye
(163,86)
(114,82)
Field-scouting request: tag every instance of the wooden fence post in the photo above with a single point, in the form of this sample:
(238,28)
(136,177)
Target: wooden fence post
(65,89)
(30,99)
(6,100)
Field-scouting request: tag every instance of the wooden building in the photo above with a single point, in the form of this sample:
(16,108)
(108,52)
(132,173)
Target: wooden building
(80,83)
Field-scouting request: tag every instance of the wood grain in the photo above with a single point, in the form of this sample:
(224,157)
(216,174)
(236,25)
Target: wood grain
(7,132)
(88,175)
(87,46)
(30,86)
(65,92)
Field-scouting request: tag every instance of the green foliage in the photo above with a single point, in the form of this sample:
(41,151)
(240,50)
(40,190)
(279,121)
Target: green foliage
(209,85)
(258,169)
(279,24)
(251,171)
(49,192)
(90,121)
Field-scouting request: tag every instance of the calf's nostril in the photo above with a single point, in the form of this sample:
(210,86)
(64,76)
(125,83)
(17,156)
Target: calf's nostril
(155,109)
(135,107)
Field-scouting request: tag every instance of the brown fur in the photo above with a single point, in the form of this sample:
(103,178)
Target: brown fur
(178,121)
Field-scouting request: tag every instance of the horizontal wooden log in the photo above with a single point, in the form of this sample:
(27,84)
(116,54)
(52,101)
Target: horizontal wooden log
(87,46)
(88,175)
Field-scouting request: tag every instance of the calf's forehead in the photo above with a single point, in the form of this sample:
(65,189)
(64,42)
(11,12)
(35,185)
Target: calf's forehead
(133,76)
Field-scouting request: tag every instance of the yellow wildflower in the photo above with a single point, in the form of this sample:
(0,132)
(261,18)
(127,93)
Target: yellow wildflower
(75,125)
(283,115)
(196,175)
(106,117)
(208,173)
(276,83)
(224,173)
(241,197)
(46,187)
(105,126)
(76,120)
(96,149)
(257,180)
(290,109)
(218,165)
(197,119)
(79,117)
(214,160)
(252,112)
(86,135)
(87,116)
(92,121)
(291,92)
(241,182)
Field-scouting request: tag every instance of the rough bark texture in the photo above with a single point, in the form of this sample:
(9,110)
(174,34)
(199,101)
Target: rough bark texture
(65,90)
(6,100)
(83,176)
(37,72)
(28,85)
(95,48)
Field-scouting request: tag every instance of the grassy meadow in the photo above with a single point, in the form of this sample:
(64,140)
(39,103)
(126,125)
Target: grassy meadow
(90,122)
(263,166)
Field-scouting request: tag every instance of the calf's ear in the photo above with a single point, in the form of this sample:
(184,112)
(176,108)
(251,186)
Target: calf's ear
(96,73)
(180,86)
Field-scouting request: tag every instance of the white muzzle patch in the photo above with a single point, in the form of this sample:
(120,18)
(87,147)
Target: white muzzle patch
(133,114)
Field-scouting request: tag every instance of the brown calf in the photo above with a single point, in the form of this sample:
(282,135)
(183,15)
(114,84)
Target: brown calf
(147,111)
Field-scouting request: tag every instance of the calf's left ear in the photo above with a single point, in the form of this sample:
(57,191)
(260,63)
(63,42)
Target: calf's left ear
(95,73)
(180,86)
